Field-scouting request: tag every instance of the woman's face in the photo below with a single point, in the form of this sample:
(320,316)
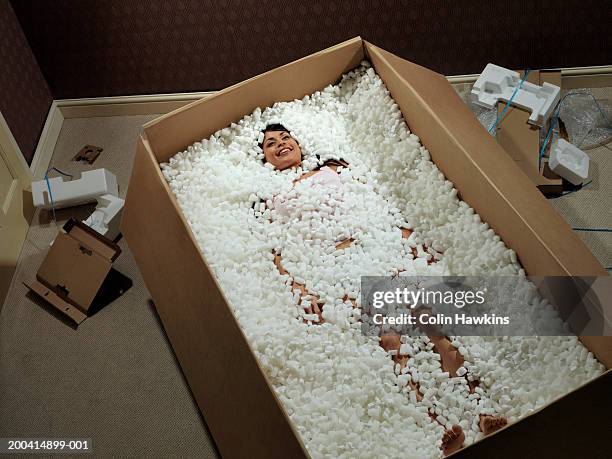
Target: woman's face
(281,150)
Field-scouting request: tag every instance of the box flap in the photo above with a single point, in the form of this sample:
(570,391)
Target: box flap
(94,240)
(57,302)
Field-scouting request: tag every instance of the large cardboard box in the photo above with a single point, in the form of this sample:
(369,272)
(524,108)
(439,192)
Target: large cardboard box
(237,401)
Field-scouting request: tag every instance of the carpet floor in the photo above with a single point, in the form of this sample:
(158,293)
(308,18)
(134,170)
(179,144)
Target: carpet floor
(115,379)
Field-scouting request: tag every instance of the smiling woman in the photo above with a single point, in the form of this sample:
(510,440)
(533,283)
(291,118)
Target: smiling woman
(280,149)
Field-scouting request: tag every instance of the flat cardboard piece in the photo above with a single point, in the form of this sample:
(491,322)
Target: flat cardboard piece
(88,154)
(550,76)
(73,270)
(234,395)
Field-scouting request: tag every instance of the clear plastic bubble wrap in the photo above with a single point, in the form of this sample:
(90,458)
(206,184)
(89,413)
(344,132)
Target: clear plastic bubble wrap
(486,116)
(586,119)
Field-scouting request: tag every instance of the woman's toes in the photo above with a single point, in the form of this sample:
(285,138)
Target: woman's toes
(452,440)
(489,424)
(390,342)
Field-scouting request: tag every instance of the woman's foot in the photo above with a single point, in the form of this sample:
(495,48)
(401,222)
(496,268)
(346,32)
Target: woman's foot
(390,342)
(489,424)
(452,440)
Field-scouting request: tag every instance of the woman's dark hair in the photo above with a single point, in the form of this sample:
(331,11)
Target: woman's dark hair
(275,127)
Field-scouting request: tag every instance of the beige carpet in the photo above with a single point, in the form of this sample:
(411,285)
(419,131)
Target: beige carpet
(115,379)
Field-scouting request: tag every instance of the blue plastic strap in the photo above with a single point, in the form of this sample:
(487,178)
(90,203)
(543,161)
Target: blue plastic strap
(50,196)
(501,115)
(49,187)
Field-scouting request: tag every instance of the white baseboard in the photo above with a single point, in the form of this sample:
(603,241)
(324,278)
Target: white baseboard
(127,105)
(576,77)
(588,77)
(46,142)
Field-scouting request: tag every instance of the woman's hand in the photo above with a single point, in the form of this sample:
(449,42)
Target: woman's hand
(344,244)
(406,233)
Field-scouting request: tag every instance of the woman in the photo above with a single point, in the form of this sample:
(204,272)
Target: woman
(283,152)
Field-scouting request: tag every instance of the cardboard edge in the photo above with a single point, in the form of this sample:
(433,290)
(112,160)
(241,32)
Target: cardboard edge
(72,223)
(222,92)
(601,347)
(62,306)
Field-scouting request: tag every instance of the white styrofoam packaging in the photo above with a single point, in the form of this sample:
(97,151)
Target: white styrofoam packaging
(106,217)
(66,193)
(569,162)
(497,83)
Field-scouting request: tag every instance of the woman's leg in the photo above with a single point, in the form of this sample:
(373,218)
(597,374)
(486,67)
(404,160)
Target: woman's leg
(451,360)
(453,438)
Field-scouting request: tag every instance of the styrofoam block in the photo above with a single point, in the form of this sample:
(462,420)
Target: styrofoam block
(66,193)
(569,162)
(498,83)
(107,216)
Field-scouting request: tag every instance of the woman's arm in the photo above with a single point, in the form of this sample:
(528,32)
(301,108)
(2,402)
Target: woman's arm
(314,307)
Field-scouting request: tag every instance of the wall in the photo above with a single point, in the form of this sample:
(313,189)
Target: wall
(25,97)
(91,48)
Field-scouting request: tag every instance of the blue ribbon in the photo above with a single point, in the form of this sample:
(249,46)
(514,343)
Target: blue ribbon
(501,115)
(49,188)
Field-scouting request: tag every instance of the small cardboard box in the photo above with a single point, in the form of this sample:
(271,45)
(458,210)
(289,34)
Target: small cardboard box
(74,269)
(241,409)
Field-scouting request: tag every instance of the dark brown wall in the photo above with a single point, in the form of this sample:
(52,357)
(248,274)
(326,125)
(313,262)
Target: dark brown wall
(24,95)
(92,48)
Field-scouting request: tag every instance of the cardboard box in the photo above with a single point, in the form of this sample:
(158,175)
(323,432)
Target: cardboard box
(233,394)
(74,269)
